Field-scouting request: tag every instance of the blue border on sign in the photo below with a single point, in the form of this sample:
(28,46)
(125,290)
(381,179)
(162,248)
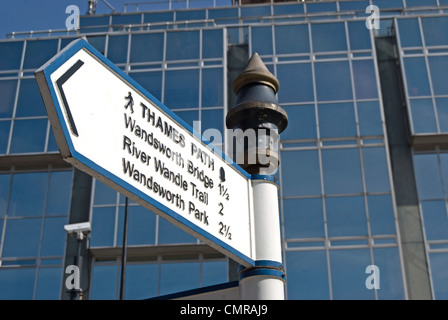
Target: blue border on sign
(65,55)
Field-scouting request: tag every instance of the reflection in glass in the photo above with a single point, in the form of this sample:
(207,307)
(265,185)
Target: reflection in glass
(8,96)
(29,136)
(22,237)
(30,101)
(333,81)
(297,83)
(20,283)
(303,218)
(364,79)
(176,277)
(391,280)
(182,88)
(348,277)
(182,45)
(292,39)
(427,174)
(304,119)
(416,77)
(435,220)
(375,169)
(342,171)
(381,214)
(438,66)
(11,55)
(439,274)
(337,120)
(346,216)
(39,52)
(329,37)
(307,275)
(300,173)
(423,118)
(27,197)
(141,281)
(146,47)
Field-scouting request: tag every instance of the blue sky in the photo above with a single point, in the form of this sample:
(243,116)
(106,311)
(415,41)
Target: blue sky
(27,15)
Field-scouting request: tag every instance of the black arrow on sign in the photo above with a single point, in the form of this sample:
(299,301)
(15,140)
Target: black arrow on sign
(59,83)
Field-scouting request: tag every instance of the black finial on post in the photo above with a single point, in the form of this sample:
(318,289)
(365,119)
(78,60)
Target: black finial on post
(256,110)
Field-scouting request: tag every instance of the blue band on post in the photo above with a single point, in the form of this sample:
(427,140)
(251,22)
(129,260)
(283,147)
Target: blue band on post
(262,177)
(263,268)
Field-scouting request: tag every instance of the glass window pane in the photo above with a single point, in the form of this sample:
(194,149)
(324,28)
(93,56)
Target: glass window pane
(103,227)
(391,280)
(182,45)
(28,192)
(435,30)
(212,42)
(439,273)
(256,11)
(304,218)
(262,40)
(104,283)
(307,275)
(388,3)
(375,169)
(22,237)
(442,113)
(11,53)
(297,83)
(213,272)
(409,33)
(118,49)
(281,9)
(146,47)
(365,79)
(29,136)
(292,39)
(141,226)
(348,275)
(49,284)
(53,241)
(17,284)
(329,37)
(159,16)
(301,174)
(170,234)
(182,88)
(416,77)
(52,145)
(435,220)
(5,127)
(346,216)
(423,118)
(332,87)
(320,7)
(212,87)
(342,114)
(304,119)
(369,118)
(5,180)
(189,117)
(30,102)
(8,94)
(359,35)
(176,277)
(151,81)
(342,171)
(213,119)
(438,66)
(427,174)
(104,194)
(39,52)
(59,191)
(98,42)
(141,281)
(381,214)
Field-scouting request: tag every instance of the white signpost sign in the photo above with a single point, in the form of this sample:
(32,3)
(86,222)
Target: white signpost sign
(109,126)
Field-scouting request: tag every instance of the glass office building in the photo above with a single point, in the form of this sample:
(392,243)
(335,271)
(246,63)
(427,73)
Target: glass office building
(364,160)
